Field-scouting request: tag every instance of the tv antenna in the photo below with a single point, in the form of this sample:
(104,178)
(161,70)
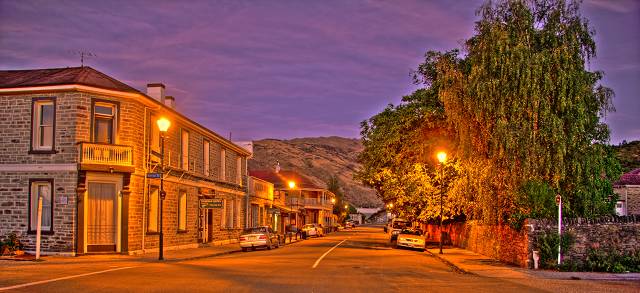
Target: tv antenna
(83,54)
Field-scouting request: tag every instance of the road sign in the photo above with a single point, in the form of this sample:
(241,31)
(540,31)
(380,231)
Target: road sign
(558,199)
(154,175)
(211,203)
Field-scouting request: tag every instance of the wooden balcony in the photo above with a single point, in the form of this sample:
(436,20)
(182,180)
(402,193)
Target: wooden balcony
(311,203)
(105,157)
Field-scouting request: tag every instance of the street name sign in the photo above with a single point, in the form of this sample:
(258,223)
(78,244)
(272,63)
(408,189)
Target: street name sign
(154,175)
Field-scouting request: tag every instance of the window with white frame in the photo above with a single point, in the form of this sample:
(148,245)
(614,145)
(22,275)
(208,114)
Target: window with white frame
(223,167)
(104,122)
(206,148)
(182,211)
(239,170)
(42,125)
(41,189)
(236,214)
(184,150)
(152,213)
(155,134)
(230,213)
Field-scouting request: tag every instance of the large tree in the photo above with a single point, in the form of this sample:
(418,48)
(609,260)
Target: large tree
(527,112)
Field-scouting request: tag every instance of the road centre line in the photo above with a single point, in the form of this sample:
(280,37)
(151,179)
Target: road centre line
(325,254)
(61,278)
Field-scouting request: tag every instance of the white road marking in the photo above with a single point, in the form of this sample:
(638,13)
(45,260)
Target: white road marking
(61,278)
(325,254)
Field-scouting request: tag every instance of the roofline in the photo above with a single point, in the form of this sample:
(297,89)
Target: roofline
(125,94)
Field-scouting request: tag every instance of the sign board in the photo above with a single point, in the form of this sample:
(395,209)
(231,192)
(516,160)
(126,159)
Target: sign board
(154,175)
(275,211)
(211,203)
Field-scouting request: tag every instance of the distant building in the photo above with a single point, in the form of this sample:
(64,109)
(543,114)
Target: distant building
(302,203)
(628,190)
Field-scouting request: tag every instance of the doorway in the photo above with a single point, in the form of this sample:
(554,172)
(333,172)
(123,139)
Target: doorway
(102,215)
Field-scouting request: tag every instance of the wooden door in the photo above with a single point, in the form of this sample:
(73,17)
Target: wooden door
(102,217)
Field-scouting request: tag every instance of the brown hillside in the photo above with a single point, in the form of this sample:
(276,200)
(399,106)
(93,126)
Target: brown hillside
(317,158)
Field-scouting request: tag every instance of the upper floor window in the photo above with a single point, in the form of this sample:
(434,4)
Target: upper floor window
(239,170)
(184,150)
(104,122)
(223,165)
(155,134)
(42,125)
(205,156)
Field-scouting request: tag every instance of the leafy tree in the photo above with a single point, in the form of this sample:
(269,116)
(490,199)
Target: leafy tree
(526,109)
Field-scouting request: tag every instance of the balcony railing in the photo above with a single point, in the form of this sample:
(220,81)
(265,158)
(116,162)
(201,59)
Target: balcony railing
(309,202)
(106,154)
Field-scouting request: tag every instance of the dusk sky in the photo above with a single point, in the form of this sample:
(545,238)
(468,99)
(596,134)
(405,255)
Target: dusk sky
(284,69)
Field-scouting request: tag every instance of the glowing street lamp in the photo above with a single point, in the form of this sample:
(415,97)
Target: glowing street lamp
(442,158)
(163,126)
(292,185)
(333,200)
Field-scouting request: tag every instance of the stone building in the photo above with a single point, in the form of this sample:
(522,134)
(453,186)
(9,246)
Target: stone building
(304,202)
(628,191)
(84,142)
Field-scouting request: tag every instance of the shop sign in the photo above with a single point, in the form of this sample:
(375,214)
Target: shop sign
(211,203)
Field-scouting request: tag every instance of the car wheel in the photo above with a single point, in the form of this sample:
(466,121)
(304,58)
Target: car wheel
(244,249)
(269,246)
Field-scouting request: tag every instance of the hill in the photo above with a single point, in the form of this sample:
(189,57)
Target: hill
(317,158)
(629,155)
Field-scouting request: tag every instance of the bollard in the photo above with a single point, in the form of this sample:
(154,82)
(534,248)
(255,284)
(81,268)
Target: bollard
(536,259)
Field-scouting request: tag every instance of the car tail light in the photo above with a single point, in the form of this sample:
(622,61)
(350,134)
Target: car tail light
(262,237)
(242,238)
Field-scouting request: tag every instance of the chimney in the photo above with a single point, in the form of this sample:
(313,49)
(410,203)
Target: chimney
(156,91)
(170,102)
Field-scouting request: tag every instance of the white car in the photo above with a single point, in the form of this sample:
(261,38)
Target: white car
(411,238)
(253,238)
(313,230)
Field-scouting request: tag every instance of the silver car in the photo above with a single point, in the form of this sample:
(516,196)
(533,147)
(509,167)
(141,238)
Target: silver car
(412,238)
(264,236)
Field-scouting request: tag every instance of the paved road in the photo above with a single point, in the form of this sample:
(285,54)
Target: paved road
(360,263)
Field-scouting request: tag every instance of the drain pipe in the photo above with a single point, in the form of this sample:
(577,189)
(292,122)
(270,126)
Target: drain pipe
(145,180)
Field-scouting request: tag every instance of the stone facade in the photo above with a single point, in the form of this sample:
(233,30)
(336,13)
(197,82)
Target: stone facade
(71,177)
(501,242)
(629,195)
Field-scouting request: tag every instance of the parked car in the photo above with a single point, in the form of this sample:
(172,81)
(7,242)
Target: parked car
(411,238)
(396,226)
(264,236)
(313,230)
(349,225)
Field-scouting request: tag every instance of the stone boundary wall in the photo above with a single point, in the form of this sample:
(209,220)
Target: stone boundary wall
(501,242)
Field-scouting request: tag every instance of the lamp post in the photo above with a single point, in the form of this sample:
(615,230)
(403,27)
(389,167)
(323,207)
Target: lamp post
(442,157)
(163,126)
(292,185)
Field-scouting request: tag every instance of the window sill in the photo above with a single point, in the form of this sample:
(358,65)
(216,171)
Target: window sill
(42,152)
(33,232)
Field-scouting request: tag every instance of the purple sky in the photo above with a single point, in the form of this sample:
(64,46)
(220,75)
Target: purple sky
(285,69)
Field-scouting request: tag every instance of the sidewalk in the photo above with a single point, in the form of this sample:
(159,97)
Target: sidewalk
(470,262)
(204,251)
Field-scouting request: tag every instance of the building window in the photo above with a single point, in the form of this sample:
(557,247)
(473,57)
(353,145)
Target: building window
(223,217)
(182,211)
(104,122)
(223,164)
(239,170)
(42,125)
(152,215)
(184,150)
(205,156)
(236,214)
(232,210)
(155,134)
(41,188)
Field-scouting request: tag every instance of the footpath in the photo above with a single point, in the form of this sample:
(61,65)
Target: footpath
(204,251)
(466,261)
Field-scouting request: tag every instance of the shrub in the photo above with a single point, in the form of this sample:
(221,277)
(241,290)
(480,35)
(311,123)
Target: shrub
(612,261)
(547,245)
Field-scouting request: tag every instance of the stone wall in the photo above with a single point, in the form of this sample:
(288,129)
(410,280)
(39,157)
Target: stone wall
(620,234)
(501,242)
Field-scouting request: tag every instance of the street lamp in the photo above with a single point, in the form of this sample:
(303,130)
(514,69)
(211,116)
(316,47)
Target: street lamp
(292,185)
(442,157)
(333,200)
(163,126)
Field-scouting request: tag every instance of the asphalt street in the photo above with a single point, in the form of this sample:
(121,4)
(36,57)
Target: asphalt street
(357,260)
